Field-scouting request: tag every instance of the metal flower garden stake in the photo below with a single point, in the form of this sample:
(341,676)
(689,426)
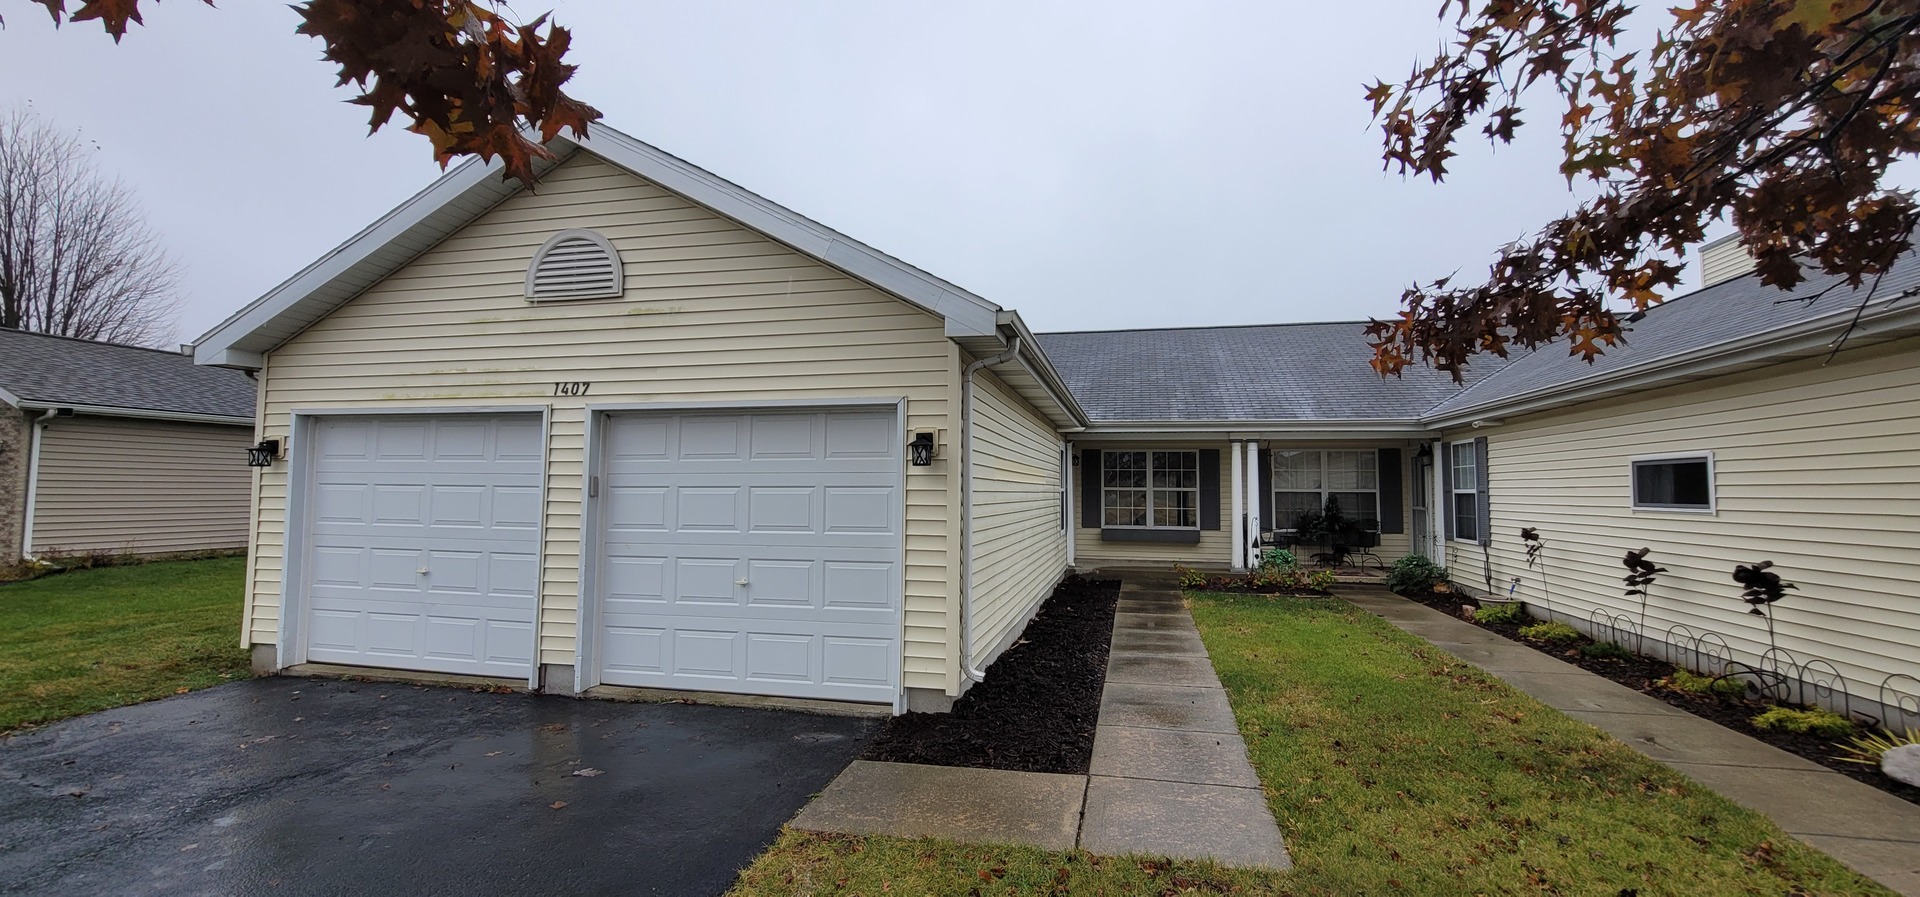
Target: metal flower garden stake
(1639,579)
(1536,559)
(1761,589)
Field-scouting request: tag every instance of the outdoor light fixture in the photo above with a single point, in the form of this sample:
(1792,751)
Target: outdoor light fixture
(922,446)
(262,455)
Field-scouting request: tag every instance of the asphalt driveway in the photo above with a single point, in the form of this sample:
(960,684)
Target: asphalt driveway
(303,786)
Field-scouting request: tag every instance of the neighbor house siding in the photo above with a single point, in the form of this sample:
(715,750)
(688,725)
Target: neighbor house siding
(713,312)
(1816,468)
(1019,545)
(121,485)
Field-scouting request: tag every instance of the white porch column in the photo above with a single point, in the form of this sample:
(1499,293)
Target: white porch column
(1070,457)
(1239,510)
(1253,495)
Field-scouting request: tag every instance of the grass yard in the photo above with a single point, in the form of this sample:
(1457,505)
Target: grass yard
(1392,768)
(88,640)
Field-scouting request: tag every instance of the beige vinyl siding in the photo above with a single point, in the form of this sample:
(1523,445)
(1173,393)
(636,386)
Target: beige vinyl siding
(1019,545)
(1215,548)
(1816,469)
(141,486)
(712,312)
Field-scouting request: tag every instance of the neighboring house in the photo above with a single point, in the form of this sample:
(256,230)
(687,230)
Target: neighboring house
(643,428)
(119,450)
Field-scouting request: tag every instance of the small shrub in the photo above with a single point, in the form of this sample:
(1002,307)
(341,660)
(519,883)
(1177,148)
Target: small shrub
(1694,683)
(1606,651)
(1278,559)
(1189,577)
(1812,721)
(1510,612)
(1869,748)
(1550,632)
(1414,574)
(1322,580)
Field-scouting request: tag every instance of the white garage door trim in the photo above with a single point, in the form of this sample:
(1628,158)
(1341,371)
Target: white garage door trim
(587,649)
(291,645)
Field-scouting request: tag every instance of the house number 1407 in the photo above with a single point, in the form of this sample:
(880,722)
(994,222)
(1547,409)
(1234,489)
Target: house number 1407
(577,388)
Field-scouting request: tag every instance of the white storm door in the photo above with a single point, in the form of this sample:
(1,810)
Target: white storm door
(755,553)
(424,542)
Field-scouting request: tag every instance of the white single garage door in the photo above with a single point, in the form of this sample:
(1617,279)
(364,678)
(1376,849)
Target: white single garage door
(424,542)
(755,553)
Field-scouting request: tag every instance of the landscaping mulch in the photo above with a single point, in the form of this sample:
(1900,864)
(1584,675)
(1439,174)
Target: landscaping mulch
(1037,709)
(1645,674)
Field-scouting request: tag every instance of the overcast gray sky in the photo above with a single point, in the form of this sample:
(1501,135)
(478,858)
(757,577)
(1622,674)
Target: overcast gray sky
(1093,165)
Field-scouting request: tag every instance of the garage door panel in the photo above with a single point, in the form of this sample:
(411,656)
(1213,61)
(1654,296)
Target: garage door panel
(424,543)
(754,552)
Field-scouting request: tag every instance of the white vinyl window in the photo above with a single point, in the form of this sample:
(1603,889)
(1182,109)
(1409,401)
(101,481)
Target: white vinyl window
(1466,492)
(1673,483)
(1150,489)
(1304,480)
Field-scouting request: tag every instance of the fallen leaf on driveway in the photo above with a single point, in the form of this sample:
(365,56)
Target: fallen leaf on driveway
(588,772)
(557,804)
(495,753)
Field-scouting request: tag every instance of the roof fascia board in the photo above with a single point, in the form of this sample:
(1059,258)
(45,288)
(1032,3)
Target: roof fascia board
(1035,359)
(9,398)
(1253,428)
(1727,356)
(964,313)
(141,413)
(219,342)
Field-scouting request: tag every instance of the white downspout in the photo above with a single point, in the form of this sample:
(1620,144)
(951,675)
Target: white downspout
(1072,523)
(39,424)
(966,503)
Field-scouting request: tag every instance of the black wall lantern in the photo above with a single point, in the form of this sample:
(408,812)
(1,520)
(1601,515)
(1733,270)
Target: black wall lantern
(922,446)
(262,455)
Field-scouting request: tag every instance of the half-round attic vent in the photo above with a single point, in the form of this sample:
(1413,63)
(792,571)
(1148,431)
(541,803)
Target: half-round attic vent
(574,264)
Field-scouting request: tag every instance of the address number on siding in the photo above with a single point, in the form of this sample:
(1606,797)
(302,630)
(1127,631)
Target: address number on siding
(576,388)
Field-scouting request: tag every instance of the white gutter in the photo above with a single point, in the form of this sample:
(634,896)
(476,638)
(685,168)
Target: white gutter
(38,425)
(966,503)
(141,413)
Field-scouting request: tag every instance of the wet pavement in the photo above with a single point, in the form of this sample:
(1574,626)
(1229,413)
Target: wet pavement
(304,786)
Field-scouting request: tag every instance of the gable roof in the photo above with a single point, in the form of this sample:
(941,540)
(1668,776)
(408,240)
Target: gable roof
(1315,372)
(473,188)
(40,371)
(1733,325)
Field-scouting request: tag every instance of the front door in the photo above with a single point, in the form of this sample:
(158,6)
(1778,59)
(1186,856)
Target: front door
(1422,498)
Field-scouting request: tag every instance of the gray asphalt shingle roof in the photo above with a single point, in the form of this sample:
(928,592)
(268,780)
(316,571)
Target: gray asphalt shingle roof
(1732,310)
(1313,371)
(60,370)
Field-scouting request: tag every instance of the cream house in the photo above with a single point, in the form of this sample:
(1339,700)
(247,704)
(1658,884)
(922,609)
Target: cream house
(645,429)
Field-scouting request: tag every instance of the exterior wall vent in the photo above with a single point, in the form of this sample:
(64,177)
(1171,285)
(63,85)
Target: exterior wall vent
(1723,260)
(574,264)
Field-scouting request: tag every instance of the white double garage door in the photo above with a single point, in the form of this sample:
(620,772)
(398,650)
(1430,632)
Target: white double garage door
(751,552)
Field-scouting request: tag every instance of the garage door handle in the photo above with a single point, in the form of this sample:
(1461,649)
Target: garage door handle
(739,582)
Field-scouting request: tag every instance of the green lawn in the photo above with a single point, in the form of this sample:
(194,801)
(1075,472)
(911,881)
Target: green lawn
(1393,768)
(88,640)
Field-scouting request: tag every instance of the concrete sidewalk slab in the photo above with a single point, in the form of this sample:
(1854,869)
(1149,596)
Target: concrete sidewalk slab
(1578,690)
(1690,738)
(1180,622)
(1167,707)
(1165,642)
(1184,821)
(1507,658)
(981,806)
(1171,755)
(1161,669)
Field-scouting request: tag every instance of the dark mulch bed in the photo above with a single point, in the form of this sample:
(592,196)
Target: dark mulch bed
(1037,709)
(1644,674)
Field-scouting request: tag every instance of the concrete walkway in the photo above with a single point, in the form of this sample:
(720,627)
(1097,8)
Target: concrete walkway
(1866,828)
(1169,775)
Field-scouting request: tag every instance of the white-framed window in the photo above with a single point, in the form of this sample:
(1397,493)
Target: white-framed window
(1304,479)
(1150,489)
(1466,492)
(1673,482)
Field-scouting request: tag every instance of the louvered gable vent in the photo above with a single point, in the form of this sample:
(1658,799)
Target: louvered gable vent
(574,264)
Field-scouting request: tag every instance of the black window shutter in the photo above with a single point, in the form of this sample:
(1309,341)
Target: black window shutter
(1393,514)
(1480,488)
(1090,488)
(1446,487)
(1209,488)
(1266,492)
